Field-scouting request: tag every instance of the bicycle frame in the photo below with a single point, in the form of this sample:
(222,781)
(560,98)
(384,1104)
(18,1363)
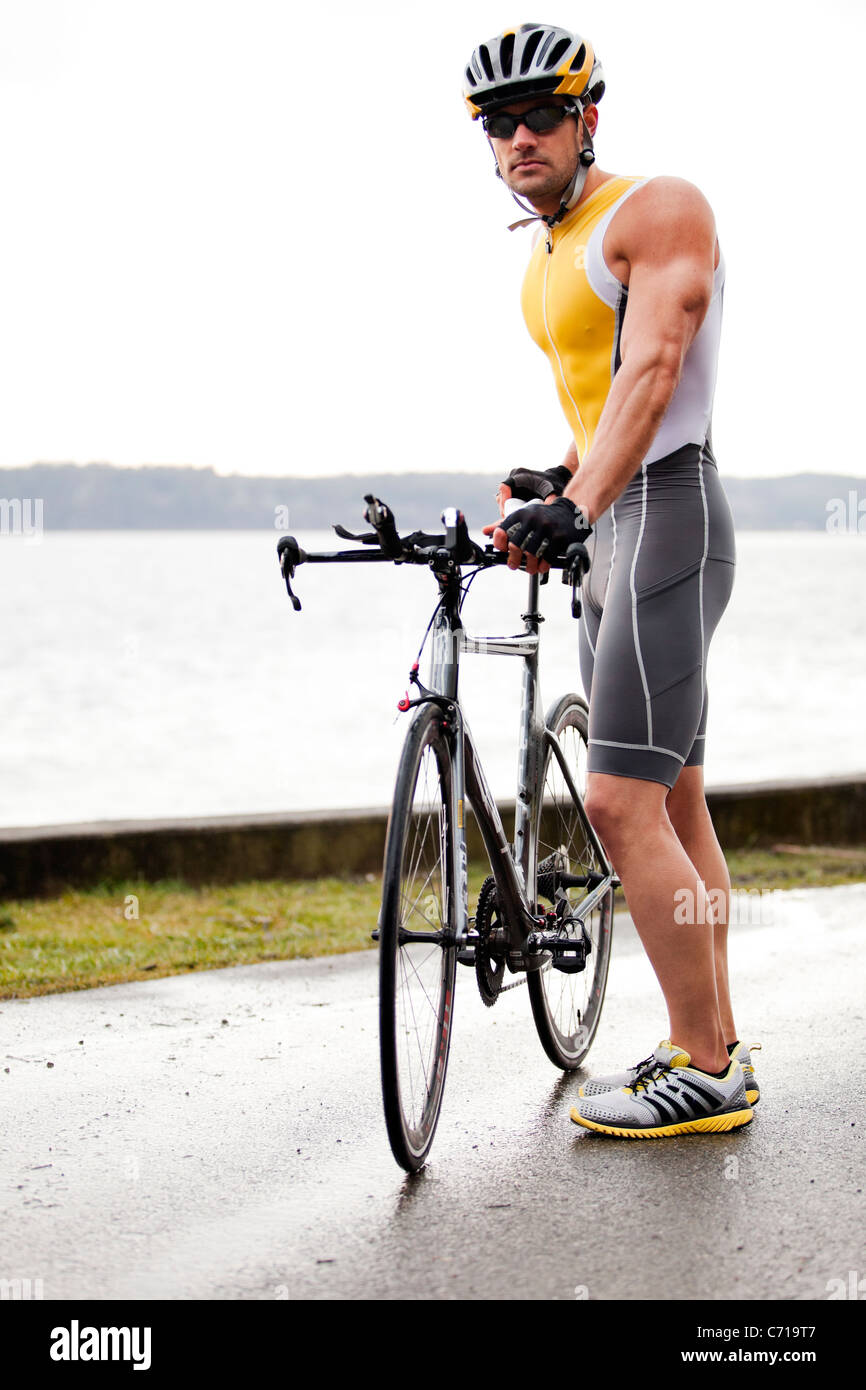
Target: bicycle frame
(438,776)
(510,865)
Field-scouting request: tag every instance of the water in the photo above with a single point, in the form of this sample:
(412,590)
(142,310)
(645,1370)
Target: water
(150,674)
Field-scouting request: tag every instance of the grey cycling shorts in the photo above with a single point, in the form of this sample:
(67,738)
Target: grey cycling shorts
(662,571)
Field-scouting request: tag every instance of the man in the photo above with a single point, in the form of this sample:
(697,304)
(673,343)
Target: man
(623,294)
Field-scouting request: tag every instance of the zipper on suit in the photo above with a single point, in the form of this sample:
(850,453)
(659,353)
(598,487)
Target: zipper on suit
(547,262)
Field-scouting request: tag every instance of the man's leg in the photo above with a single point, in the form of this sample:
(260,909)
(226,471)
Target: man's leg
(690,817)
(631,817)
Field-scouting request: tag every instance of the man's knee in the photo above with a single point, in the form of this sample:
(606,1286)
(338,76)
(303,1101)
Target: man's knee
(616,806)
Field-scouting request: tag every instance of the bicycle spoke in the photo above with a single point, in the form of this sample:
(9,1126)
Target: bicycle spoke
(422,1050)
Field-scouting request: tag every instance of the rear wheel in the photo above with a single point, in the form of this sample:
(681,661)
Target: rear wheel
(417,954)
(567,1007)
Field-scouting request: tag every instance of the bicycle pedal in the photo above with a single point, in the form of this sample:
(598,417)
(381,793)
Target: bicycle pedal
(518,963)
(571,964)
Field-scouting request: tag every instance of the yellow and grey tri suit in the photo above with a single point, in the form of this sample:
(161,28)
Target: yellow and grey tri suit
(663,553)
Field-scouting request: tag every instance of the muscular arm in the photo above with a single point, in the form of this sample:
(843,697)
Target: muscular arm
(662,244)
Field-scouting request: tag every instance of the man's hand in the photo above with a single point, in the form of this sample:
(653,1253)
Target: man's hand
(538,530)
(527,484)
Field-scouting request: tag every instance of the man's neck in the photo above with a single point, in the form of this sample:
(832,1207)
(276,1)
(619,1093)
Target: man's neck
(594,179)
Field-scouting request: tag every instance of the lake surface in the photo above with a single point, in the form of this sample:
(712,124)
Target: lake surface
(149,674)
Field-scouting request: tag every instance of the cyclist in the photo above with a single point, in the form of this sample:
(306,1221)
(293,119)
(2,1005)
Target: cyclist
(623,294)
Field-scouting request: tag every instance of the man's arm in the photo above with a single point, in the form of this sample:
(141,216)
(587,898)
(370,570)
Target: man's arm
(662,244)
(571,461)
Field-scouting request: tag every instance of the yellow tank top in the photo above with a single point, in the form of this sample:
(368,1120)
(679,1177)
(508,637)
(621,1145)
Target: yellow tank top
(574,307)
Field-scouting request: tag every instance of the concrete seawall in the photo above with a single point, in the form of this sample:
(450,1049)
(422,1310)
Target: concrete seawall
(43,860)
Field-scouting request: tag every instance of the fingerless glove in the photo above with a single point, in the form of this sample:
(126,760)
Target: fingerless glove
(527,484)
(547,530)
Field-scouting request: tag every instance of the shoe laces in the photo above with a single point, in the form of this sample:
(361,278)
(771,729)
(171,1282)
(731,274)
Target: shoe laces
(650,1069)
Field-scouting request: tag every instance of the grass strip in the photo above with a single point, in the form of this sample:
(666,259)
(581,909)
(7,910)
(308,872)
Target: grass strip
(141,931)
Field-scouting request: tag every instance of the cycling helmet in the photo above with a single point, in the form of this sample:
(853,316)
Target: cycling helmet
(532,60)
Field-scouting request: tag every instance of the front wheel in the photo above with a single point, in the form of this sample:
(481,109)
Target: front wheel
(417,951)
(567,1006)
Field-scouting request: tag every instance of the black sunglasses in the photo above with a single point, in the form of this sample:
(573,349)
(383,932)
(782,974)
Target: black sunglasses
(501,125)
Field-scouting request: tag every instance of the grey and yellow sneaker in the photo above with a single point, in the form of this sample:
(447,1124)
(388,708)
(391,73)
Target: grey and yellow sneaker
(740,1052)
(614,1081)
(666,1097)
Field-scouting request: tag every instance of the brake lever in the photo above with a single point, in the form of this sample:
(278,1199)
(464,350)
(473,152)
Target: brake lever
(457,538)
(381,518)
(290,555)
(575,567)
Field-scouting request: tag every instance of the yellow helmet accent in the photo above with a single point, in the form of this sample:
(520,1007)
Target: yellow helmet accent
(574,83)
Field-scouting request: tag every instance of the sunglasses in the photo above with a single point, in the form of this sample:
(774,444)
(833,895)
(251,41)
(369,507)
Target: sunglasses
(501,126)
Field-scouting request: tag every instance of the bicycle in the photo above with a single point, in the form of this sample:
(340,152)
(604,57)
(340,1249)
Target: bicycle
(545,912)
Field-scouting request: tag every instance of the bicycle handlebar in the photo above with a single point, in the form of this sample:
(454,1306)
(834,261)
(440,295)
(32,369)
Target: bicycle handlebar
(441,552)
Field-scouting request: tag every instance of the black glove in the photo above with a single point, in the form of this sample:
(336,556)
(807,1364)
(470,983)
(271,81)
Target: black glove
(546,530)
(526,483)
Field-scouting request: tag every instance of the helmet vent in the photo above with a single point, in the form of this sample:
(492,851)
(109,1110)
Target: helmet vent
(556,53)
(506,54)
(471,79)
(579,58)
(484,55)
(548,40)
(530,50)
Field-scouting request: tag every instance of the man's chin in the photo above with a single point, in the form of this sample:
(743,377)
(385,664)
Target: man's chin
(532,185)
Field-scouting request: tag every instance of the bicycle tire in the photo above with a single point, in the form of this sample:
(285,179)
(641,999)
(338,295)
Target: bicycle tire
(416,979)
(567,1007)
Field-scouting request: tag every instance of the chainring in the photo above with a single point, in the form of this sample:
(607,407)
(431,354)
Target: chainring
(489,965)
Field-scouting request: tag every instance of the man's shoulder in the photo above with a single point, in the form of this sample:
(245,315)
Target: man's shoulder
(665,199)
(663,209)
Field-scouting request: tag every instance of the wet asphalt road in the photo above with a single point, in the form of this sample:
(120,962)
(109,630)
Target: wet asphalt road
(219,1136)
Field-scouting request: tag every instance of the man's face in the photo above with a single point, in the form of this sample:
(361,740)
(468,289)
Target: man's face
(539,166)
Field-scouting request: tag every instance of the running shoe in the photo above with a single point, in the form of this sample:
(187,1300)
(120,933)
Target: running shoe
(742,1053)
(614,1081)
(669,1096)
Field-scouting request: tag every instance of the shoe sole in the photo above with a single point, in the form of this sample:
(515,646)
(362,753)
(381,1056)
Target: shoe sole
(710,1124)
(753,1096)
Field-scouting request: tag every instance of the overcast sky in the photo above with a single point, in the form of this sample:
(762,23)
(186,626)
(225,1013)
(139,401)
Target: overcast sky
(265,236)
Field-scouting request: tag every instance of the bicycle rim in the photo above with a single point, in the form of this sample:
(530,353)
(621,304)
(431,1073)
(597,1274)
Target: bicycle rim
(417,976)
(567,1007)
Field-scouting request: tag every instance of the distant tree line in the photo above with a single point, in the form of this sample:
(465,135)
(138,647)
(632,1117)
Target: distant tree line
(99,496)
